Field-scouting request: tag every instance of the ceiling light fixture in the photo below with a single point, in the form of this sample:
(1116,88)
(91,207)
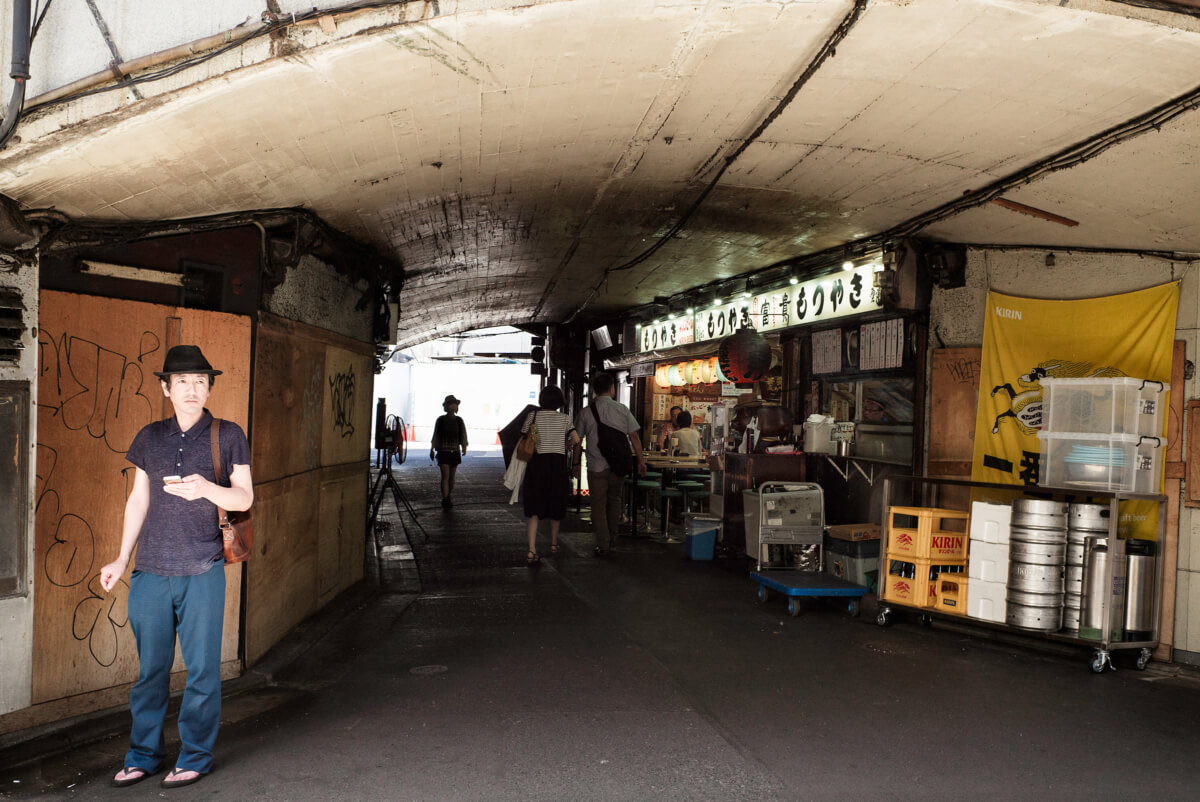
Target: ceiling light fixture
(847,266)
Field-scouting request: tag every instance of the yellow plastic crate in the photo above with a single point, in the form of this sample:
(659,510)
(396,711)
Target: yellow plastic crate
(927,533)
(913,582)
(951,593)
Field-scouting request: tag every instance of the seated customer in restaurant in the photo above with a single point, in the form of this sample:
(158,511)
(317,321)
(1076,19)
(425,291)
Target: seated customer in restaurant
(685,441)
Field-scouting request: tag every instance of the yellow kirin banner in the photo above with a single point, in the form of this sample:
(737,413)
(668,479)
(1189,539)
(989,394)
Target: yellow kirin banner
(1026,340)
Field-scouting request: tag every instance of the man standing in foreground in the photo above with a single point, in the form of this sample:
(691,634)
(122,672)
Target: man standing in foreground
(604,485)
(179,584)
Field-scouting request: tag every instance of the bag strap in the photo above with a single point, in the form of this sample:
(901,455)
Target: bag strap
(215,437)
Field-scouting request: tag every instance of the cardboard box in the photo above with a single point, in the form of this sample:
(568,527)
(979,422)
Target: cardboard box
(854,532)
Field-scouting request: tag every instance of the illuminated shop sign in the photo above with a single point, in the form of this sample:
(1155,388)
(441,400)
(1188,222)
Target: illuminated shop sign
(847,292)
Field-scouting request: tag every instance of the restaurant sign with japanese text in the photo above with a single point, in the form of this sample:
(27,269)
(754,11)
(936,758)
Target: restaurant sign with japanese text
(847,292)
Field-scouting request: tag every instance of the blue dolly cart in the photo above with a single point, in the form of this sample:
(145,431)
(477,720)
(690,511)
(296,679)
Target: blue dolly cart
(794,515)
(799,584)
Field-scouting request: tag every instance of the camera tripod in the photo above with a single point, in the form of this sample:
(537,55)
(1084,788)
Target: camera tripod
(392,449)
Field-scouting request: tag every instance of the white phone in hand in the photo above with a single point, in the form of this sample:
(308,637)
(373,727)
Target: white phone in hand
(170,480)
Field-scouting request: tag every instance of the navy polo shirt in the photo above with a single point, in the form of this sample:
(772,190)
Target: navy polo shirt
(181,537)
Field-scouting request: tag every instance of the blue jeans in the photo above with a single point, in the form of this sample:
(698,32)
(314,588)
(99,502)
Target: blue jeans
(159,608)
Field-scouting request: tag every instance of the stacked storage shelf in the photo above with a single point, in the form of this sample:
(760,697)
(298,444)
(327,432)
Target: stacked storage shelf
(923,544)
(1102,434)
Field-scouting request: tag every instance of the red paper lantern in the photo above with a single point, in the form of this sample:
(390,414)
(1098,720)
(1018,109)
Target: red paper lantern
(745,356)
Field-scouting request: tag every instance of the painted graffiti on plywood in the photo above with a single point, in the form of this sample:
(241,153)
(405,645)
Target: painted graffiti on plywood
(72,552)
(94,389)
(98,617)
(341,401)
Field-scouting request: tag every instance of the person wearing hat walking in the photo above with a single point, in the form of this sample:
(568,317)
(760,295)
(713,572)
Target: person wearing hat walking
(449,445)
(178,585)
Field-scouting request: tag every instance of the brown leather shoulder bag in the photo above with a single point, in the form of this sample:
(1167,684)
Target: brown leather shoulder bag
(237,528)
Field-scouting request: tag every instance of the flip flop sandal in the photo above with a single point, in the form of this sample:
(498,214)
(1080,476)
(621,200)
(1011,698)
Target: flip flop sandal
(131,780)
(553,549)
(169,783)
(532,558)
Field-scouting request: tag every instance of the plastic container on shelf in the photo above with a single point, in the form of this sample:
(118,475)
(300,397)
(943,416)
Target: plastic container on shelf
(818,435)
(1127,463)
(1113,405)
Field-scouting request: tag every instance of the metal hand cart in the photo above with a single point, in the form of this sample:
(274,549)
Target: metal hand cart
(793,514)
(786,513)
(798,584)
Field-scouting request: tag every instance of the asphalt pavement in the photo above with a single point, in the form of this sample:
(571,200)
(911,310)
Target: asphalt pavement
(456,672)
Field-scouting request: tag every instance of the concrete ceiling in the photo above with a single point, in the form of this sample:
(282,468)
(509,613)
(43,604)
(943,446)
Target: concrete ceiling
(513,156)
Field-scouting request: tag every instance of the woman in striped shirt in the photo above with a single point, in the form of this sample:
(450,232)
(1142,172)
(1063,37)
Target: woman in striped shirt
(548,478)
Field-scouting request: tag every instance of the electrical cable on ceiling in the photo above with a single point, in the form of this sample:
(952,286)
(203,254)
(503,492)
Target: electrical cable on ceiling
(272,23)
(40,17)
(827,50)
(1067,158)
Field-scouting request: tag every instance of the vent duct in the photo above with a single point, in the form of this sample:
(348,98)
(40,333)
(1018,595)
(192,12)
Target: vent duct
(12,325)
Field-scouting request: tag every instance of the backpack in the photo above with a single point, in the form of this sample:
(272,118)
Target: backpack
(614,446)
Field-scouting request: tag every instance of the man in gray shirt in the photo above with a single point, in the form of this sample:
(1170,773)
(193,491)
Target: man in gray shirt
(604,485)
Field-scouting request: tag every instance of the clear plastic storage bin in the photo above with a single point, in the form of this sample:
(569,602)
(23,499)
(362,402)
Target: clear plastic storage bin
(1127,463)
(1118,405)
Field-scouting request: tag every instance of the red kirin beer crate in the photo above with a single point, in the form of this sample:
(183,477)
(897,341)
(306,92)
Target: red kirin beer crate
(914,582)
(927,533)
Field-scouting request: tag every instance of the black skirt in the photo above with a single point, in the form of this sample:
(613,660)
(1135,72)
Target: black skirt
(447,456)
(547,486)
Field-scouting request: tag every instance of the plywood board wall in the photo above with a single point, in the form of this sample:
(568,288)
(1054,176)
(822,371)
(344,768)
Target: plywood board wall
(289,391)
(954,394)
(342,533)
(312,413)
(96,390)
(346,433)
(281,576)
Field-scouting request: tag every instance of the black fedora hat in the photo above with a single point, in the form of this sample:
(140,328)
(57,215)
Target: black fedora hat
(185,359)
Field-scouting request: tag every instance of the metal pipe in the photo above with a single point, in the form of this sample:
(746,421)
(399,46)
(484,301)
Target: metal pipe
(20,69)
(20,46)
(144,62)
